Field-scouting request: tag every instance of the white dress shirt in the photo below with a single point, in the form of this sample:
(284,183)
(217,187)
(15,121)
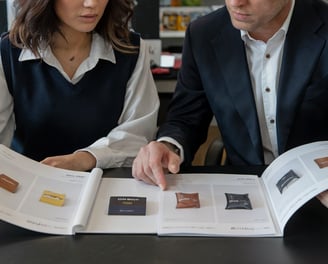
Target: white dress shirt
(137,124)
(264,61)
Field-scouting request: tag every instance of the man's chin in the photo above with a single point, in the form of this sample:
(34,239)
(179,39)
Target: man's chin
(241,25)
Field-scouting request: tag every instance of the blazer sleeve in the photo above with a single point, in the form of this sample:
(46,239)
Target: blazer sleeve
(189,113)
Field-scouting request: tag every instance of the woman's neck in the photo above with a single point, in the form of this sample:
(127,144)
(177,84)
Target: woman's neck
(71,41)
(71,50)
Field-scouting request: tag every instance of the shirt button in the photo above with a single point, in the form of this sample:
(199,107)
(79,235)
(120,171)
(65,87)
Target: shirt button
(267,56)
(268,90)
(271,121)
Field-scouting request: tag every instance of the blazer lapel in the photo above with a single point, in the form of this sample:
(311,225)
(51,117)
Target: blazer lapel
(236,76)
(301,51)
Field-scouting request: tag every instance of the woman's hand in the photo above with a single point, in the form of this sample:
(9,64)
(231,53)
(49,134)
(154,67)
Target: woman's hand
(79,161)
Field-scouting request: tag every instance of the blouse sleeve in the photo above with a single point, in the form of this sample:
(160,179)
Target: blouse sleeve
(138,121)
(7,122)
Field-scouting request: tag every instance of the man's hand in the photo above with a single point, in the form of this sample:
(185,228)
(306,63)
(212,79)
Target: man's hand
(153,161)
(323,198)
(79,161)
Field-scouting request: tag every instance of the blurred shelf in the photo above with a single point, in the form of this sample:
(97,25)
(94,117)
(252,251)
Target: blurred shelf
(184,9)
(171,34)
(193,11)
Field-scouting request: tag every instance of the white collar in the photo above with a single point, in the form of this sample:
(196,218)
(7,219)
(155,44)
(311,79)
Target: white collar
(99,50)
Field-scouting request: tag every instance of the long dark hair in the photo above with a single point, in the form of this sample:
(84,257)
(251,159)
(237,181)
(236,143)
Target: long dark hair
(36,22)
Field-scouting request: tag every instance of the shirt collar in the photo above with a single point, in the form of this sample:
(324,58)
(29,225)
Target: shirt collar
(99,50)
(284,28)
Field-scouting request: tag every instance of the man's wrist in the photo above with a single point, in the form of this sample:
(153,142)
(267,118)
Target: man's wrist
(172,147)
(175,143)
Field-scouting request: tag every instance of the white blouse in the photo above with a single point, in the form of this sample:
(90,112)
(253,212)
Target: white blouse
(138,121)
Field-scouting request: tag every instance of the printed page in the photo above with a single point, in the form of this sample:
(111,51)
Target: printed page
(295,177)
(126,220)
(228,205)
(39,197)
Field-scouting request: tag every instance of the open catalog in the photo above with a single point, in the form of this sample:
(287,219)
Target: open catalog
(215,204)
(43,198)
(52,200)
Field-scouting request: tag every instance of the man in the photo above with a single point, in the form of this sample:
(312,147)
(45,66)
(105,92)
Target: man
(261,67)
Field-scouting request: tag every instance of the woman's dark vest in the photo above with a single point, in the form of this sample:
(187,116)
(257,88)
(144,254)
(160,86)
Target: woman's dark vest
(55,117)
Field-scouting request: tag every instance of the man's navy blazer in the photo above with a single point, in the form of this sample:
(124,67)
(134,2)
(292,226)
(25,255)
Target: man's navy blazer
(214,79)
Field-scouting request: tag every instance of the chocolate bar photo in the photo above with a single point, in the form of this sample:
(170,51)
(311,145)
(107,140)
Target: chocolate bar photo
(8,183)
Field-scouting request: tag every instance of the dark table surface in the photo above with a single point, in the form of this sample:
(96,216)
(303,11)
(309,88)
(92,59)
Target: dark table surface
(305,241)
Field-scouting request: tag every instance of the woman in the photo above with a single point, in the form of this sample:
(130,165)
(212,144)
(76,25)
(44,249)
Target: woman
(76,90)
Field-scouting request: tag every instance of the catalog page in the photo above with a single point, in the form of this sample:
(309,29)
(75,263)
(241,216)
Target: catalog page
(43,198)
(214,205)
(124,206)
(295,177)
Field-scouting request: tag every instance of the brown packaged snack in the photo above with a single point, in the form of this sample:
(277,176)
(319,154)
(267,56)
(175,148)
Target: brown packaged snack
(322,162)
(8,183)
(187,200)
